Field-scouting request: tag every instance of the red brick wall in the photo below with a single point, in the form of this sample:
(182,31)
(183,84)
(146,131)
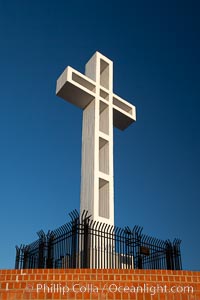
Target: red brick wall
(99,284)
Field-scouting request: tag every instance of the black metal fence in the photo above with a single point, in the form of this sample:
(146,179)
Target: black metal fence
(84,243)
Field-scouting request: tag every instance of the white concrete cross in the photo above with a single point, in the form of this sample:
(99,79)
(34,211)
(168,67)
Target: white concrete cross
(102,109)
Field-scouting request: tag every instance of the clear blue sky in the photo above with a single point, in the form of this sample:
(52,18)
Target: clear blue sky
(155,47)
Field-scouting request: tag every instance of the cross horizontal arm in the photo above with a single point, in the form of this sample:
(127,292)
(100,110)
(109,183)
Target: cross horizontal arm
(124,113)
(75,87)
(80,90)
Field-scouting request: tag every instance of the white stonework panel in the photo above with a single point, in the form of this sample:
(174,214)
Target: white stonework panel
(104,201)
(104,74)
(104,158)
(104,120)
(87,167)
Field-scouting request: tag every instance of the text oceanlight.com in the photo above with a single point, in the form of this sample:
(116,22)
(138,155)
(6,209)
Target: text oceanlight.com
(110,288)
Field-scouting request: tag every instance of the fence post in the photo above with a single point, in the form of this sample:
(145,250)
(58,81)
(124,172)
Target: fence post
(169,256)
(25,257)
(41,262)
(17,259)
(86,246)
(41,249)
(177,254)
(50,254)
(74,243)
(137,238)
